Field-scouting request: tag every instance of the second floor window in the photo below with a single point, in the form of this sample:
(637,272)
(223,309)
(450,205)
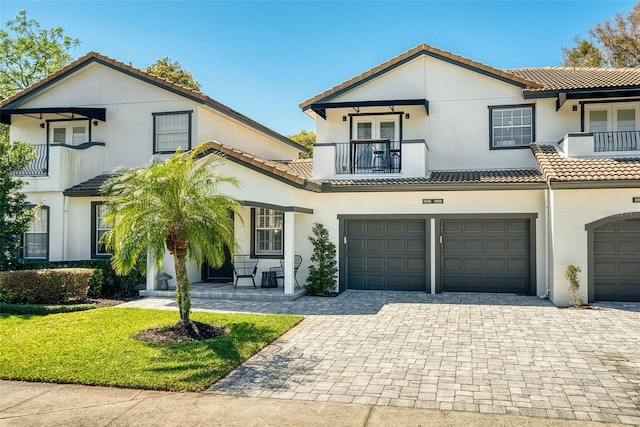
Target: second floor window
(70,135)
(511,126)
(171,131)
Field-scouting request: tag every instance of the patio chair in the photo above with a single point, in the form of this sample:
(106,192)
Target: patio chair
(244,268)
(297,261)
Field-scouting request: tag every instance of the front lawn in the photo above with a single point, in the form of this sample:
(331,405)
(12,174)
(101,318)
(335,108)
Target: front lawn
(95,347)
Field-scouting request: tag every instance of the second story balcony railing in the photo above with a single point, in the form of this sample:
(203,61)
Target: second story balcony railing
(38,166)
(616,141)
(368,156)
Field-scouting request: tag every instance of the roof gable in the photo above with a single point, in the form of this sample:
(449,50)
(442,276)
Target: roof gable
(403,58)
(193,95)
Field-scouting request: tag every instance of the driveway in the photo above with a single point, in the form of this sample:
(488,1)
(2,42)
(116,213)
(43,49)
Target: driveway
(490,353)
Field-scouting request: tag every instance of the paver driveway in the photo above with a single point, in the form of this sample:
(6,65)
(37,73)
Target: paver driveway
(473,352)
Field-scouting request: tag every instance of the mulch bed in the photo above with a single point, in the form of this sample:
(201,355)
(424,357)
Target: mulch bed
(177,333)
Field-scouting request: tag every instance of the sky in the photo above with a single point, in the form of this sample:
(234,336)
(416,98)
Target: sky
(263,58)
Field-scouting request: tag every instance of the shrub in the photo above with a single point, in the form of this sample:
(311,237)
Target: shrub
(111,284)
(47,286)
(323,268)
(571,274)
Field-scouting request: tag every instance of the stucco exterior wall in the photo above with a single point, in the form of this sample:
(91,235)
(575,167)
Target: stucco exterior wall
(573,209)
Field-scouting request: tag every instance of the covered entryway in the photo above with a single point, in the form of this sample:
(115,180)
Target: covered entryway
(486,255)
(386,254)
(616,261)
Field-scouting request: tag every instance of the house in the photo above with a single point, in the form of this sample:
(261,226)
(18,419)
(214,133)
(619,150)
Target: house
(431,171)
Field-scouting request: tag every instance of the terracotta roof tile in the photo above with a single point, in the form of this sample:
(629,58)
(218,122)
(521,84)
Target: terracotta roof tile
(561,169)
(424,49)
(302,167)
(95,56)
(568,78)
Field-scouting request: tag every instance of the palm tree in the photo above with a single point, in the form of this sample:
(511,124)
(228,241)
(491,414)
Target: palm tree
(173,205)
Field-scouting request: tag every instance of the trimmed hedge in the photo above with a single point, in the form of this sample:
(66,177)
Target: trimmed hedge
(111,285)
(47,286)
(42,309)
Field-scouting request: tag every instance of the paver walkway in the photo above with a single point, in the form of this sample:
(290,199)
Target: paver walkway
(485,353)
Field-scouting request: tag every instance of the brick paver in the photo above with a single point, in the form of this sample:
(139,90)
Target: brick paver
(489,353)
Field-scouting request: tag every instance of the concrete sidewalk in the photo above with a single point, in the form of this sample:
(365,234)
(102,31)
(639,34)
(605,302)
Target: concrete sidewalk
(39,404)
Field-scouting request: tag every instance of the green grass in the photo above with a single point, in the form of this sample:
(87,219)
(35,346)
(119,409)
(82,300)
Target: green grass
(95,347)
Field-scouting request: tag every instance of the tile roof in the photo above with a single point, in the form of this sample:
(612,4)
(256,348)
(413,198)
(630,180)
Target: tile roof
(568,78)
(449,177)
(193,94)
(561,169)
(422,48)
(91,187)
(294,171)
(301,167)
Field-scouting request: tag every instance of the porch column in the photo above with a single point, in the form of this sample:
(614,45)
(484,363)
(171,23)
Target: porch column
(289,252)
(152,272)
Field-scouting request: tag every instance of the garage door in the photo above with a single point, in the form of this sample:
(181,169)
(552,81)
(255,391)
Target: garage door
(616,270)
(490,255)
(386,255)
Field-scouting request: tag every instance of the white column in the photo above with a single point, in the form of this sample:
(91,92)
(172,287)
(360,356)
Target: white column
(289,252)
(433,255)
(152,272)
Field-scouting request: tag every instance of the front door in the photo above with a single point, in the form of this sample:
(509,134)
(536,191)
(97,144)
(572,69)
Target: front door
(222,274)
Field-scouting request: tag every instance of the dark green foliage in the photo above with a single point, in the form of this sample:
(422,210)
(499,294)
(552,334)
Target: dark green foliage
(17,213)
(40,309)
(323,268)
(111,284)
(47,286)
(306,139)
(173,72)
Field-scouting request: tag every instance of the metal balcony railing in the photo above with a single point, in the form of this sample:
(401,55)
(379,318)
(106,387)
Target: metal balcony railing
(368,156)
(38,166)
(616,141)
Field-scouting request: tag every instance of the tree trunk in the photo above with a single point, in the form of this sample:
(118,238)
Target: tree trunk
(182,286)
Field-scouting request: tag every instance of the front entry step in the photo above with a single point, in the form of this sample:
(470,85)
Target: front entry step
(226,291)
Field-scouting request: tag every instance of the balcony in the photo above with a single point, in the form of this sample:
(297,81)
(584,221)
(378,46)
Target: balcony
(364,156)
(616,141)
(601,144)
(38,166)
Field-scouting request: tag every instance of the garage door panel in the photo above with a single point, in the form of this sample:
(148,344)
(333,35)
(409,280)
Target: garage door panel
(392,257)
(416,245)
(616,261)
(494,226)
(490,255)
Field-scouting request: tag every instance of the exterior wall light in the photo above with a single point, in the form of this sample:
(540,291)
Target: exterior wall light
(344,118)
(636,200)
(432,201)
(41,125)
(407,116)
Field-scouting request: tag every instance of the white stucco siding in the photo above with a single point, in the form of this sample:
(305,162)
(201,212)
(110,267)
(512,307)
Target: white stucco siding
(573,209)
(217,127)
(552,125)
(457,127)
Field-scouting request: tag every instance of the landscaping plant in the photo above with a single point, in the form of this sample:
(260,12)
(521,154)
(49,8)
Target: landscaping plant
(175,205)
(571,274)
(323,268)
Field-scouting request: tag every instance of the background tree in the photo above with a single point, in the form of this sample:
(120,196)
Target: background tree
(29,53)
(616,39)
(306,139)
(15,212)
(584,54)
(173,72)
(173,205)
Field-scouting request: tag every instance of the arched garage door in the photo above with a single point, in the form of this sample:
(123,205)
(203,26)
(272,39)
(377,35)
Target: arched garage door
(616,261)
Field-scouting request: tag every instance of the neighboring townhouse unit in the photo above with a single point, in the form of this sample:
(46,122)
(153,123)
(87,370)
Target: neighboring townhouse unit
(432,172)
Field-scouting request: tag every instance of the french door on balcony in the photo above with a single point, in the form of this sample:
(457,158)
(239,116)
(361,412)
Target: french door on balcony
(375,144)
(614,126)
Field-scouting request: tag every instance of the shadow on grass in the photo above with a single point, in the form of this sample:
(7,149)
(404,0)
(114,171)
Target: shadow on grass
(195,365)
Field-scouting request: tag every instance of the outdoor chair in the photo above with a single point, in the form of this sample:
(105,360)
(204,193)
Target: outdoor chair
(244,268)
(297,261)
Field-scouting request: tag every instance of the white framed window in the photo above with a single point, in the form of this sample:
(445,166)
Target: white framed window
(171,131)
(267,233)
(69,133)
(511,126)
(615,117)
(99,228)
(35,241)
(376,127)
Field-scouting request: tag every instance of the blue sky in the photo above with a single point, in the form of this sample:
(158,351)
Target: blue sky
(264,58)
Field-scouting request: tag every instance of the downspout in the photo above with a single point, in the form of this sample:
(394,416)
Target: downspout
(547,233)
(65,227)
